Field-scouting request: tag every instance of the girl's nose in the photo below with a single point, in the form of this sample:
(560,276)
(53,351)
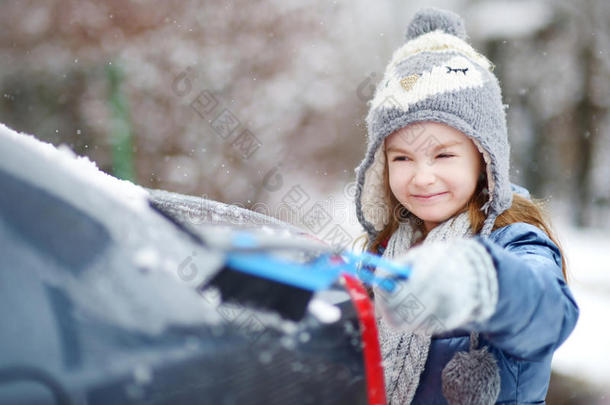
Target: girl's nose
(424,175)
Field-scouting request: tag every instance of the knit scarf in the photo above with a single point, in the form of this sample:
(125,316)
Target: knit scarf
(404,354)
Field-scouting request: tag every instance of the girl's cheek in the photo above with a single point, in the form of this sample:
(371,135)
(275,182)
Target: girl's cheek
(398,181)
(452,169)
(401,175)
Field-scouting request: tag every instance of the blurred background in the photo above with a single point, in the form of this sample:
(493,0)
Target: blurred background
(261,104)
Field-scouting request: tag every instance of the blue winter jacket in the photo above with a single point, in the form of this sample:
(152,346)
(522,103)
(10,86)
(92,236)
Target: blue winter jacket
(535,314)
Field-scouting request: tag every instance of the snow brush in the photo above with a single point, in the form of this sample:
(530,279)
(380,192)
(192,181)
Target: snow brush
(252,276)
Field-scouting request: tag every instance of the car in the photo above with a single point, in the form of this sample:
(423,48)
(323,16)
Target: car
(108,296)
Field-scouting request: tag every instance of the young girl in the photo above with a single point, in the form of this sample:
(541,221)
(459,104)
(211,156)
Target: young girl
(487,302)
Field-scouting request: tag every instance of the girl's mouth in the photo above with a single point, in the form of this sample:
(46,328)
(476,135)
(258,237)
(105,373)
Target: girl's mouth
(428,197)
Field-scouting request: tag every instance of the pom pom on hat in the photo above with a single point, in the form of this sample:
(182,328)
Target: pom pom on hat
(433,19)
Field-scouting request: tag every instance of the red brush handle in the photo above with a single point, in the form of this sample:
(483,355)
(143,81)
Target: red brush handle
(372,353)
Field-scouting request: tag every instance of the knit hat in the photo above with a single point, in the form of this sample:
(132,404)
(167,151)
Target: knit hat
(435,76)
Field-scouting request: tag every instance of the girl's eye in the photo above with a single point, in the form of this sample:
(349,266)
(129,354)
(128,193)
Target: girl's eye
(399,158)
(445,155)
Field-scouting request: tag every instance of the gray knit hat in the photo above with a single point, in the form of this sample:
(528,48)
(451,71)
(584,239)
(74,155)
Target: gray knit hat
(435,76)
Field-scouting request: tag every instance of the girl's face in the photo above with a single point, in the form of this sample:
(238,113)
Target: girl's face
(433,170)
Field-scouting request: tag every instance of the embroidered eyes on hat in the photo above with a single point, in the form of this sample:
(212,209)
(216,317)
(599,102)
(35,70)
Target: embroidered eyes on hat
(435,76)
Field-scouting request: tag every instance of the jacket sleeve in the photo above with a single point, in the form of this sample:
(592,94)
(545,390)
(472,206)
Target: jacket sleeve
(536,311)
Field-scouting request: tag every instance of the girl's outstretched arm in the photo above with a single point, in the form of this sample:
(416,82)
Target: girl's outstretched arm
(536,310)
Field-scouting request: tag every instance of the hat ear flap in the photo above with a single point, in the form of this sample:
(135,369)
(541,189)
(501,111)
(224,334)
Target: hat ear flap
(373,202)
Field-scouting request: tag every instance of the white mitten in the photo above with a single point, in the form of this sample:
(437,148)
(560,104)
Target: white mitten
(451,284)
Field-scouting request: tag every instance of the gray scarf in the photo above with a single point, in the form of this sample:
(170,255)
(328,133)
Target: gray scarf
(404,354)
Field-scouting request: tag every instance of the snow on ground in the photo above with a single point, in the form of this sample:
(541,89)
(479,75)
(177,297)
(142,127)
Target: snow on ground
(586,352)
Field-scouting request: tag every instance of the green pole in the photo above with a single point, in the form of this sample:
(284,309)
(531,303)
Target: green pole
(120,127)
